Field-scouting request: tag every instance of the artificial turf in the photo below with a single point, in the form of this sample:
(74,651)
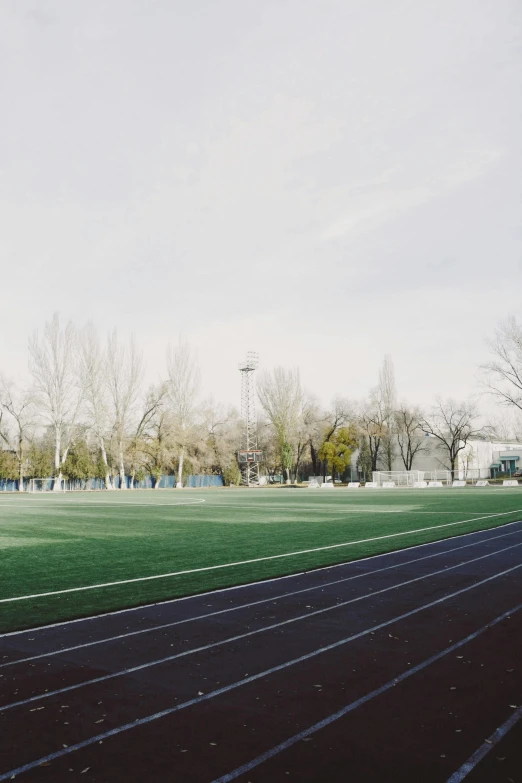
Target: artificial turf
(55,542)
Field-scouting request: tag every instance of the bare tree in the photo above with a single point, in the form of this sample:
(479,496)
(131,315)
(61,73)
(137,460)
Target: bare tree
(410,436)
(4,431)
(503,374)
(221,431)
(124,374)
(92,377)
(376,421)
(387,396)
(147,427)
(183,390)
(371,421)
(338,415)
(268,442)
(281,398)
(364,458)
(52,365)
(154,445)
(20,407)
(508,426)
(453,424)
(309,432)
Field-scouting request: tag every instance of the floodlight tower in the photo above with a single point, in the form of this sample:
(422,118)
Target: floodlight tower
(249,455)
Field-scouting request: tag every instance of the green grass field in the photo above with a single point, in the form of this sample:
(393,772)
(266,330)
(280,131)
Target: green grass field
(63,542)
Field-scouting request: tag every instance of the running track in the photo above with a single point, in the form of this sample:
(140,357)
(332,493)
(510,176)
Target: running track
(406,666)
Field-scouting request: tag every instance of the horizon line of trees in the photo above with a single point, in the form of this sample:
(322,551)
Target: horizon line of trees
(85,413)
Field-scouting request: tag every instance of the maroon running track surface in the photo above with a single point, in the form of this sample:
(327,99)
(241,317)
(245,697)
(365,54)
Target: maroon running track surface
(398,667)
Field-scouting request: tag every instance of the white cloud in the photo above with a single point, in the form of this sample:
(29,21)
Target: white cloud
(304,184)
(385,204)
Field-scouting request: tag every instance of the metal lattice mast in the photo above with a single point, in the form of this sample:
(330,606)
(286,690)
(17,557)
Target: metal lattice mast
(249,469)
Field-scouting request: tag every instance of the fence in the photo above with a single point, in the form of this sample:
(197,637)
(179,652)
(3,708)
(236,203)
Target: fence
(408,478)
(204,480)
(149,482)
(445,477)
(472,475)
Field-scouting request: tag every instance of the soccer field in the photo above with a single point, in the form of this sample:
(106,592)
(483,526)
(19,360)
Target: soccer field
(79,554)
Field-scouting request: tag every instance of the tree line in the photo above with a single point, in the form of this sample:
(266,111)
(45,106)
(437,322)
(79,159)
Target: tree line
(86,413)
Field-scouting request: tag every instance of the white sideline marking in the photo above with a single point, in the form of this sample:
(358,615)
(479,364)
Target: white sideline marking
(245,681)
(203,648)
(253,560)
(231,588)
(371,695)
(272,599)
(484,749)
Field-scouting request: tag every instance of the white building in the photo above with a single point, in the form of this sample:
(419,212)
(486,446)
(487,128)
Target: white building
(486,458)
(479,459)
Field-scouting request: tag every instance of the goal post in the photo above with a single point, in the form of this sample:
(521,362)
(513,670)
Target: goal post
(46,485)
(397,478)
(411,478)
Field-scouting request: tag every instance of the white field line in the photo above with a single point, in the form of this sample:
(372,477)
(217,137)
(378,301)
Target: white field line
(235,588)
(333,511)
(245,681)
(484,749)
(295,509)
(271,599)
(342,512)
(90,504)
(269,754)
(14,498)
(253,560)
(248,634)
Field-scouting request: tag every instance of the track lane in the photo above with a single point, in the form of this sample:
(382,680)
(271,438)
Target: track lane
(420,729)
(160,653)
(93,630)
(375,608)
(460,650)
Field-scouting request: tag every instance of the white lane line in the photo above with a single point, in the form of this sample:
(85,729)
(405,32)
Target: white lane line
(271,599)
(236,588)
(484,749)
(245,681)
(269,754)
(253,560)
(238,637)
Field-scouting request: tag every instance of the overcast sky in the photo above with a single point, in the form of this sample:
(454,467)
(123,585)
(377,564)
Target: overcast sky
(323,181)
